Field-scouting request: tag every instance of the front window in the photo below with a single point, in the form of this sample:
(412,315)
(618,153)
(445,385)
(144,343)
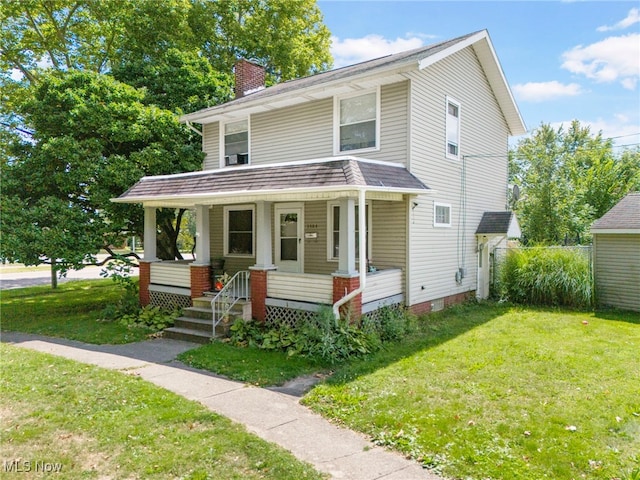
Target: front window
(236,143)
(441,215)
(239,230)
(453,129)
(334,235)
(357,119)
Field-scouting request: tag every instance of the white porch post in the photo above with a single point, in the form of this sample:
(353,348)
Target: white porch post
(203,254)
(347,253)
(264,256)
(150,234)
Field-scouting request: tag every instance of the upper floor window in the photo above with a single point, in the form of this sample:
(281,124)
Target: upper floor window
(357,120)
(236,143)
(453,129)
(441,215)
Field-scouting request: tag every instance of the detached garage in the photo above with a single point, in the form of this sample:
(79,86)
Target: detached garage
(616,255)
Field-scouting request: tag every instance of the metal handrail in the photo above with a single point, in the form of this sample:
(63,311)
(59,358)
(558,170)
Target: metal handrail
(234,290)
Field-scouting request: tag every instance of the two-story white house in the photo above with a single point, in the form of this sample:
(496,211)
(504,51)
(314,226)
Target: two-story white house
(379,183)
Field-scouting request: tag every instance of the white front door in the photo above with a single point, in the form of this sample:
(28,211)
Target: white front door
(289,227)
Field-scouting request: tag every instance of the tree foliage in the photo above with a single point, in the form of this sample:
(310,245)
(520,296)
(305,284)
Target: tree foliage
(89,91)
(568,179)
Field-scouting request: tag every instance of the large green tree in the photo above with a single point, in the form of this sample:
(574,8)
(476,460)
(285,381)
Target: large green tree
(178,54)
(568,179)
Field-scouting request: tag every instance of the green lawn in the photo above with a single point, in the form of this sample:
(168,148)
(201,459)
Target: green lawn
(497,392)
(72,311)
(95,423)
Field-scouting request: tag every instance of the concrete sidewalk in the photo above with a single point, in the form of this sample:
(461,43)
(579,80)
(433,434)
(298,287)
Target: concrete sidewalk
(272,415)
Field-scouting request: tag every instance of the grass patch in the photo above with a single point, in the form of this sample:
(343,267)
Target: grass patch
(250,365)
(97,423)
(495,392)
(72,311)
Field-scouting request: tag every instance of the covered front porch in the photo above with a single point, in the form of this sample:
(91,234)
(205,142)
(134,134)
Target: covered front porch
(312,234)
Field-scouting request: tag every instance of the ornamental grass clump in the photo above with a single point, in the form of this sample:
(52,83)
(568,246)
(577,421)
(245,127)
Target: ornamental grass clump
(549,276)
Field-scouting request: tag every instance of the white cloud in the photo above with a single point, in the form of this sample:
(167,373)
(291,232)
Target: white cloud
(610,60)
(544,91)
(354,50)
(632,18)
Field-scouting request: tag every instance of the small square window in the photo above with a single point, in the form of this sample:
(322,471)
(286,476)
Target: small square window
(441,215)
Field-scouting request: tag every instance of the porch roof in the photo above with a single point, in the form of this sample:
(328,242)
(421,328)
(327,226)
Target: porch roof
(328,178)
(499,223)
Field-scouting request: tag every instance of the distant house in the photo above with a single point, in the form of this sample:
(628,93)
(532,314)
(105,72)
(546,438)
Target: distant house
(362,186)
(616,255)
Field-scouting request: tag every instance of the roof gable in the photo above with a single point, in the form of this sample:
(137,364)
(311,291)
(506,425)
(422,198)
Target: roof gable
(367,74)
(623,217)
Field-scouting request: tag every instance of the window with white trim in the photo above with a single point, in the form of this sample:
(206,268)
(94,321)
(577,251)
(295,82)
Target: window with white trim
(357,122)
(239,229)
(333,242)
(453,129)
(236,143)
(441,215)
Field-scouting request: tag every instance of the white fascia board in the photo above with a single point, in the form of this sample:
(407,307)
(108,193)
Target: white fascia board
(596,231)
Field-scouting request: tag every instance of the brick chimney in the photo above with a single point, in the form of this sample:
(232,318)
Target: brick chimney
(249,78)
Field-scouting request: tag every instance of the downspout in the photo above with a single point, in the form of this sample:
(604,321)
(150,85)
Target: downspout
(191,127)
(362,265)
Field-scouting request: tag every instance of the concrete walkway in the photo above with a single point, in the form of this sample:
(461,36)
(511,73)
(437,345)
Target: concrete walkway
(272,415)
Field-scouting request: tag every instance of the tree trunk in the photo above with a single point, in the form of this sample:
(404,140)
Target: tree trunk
(168,235)
(54,274)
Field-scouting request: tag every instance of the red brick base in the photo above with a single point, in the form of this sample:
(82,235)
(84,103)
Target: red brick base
(145,280)
(200,280)
(342,286)
(426,307)
(259,294)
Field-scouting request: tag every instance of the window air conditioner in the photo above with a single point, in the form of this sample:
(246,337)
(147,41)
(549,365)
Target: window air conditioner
(232,159)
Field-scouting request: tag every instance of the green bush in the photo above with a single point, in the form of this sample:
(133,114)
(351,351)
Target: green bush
(548,276)
(323,337)
(151,317)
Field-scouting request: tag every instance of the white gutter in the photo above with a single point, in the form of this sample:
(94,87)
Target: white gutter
(362,234)
(191,127)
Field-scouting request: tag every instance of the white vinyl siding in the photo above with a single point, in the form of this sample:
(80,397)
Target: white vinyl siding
(617,270)
(211,145)
(437,253)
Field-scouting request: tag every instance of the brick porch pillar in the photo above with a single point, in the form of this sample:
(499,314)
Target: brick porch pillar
(200,280)
(145,280)
(350,283)
(259,294)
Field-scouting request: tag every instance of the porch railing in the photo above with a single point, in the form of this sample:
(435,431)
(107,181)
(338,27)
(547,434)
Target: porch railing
(175,274)
(382,284)
(234,290)
(303,287)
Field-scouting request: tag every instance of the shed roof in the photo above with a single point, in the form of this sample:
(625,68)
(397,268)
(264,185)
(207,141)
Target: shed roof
(499,223)
(624,217)
(377,71)
(329,175)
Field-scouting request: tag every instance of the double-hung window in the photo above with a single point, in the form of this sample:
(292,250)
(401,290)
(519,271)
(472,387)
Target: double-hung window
(334,233)
(453,129)
(236,143)
(357,122)
(239,228)
(441,215)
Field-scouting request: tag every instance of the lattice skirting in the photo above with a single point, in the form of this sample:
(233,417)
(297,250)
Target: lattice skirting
(277,316)
(169,301)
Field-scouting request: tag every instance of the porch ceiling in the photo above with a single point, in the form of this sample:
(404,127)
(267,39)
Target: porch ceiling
(308,180)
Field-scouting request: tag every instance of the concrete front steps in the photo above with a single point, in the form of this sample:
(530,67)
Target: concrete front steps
(196,322)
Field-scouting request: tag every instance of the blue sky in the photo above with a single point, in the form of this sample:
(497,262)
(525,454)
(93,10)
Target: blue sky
(564,60)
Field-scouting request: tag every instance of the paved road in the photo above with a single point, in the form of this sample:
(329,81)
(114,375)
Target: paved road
(43,277)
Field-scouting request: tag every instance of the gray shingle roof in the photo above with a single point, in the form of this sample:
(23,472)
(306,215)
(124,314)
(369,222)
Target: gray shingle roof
(625,215)
(495,223)
(343,172)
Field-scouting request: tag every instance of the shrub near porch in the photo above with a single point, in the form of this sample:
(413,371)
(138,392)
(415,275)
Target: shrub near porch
(493,392)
